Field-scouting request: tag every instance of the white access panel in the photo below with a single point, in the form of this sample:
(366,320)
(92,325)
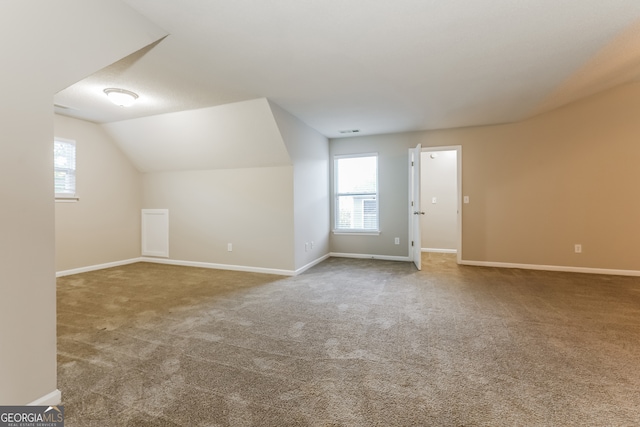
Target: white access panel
(155,232)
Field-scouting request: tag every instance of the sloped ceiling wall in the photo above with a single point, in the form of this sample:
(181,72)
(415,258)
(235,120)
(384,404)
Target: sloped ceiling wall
(616,63)
(230,136)
(85,38)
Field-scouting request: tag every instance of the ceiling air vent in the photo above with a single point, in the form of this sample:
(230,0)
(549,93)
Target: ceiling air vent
(349,131)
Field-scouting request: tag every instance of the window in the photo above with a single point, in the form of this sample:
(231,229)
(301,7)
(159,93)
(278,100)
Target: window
(356,192)
(64,168)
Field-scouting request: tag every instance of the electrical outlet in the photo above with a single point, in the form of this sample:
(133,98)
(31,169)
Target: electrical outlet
(578,248)
(466,199)
(397,241)
(306,247)
(229,247)
(312,244)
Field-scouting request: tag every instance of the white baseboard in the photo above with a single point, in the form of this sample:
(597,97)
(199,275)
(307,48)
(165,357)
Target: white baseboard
(51,399)
(311,264)
(440,251)
(97,267)
(193,264)
(567,269)
(368,256)
(218,266)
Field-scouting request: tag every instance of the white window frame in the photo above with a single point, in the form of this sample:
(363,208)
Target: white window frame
(337,195)
(67,196)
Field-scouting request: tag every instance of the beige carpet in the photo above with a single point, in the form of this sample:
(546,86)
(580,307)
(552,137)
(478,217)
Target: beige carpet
(349,343)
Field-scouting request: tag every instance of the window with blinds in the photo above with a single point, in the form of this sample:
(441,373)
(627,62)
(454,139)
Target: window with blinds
(356,193)
(64,168)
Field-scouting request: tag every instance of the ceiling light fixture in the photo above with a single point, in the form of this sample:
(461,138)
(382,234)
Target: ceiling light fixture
(121,97)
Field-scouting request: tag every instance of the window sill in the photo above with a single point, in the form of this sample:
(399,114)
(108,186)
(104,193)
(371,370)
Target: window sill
(356,232)
(67,199)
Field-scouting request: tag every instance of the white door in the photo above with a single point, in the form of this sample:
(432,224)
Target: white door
(415,211)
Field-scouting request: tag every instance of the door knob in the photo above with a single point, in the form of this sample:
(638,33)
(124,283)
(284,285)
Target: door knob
(418,213)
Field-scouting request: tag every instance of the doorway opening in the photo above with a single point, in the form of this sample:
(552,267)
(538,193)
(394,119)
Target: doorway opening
(435,201)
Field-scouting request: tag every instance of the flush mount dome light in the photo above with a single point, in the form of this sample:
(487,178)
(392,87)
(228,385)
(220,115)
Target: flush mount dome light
(121,97)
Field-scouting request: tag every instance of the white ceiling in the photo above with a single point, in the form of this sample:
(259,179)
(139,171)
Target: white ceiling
(375,65)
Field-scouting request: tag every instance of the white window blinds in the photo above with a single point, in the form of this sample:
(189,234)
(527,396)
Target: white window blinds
(64,164)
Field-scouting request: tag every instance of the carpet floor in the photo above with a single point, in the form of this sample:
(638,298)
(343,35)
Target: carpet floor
(349,343)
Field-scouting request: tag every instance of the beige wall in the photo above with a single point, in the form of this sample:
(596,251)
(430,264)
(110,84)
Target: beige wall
(251,208)
(27,284)
(393,181)
(267,212)
(40,60)
(104,225)
(536,187)
(439,179)
(309,152)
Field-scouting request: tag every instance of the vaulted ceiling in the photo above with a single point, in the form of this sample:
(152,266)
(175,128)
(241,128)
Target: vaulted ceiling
(373,65)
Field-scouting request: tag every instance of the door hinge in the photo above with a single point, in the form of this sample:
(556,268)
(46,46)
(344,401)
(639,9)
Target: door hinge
(412,243)
(411,163)
(411,203)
